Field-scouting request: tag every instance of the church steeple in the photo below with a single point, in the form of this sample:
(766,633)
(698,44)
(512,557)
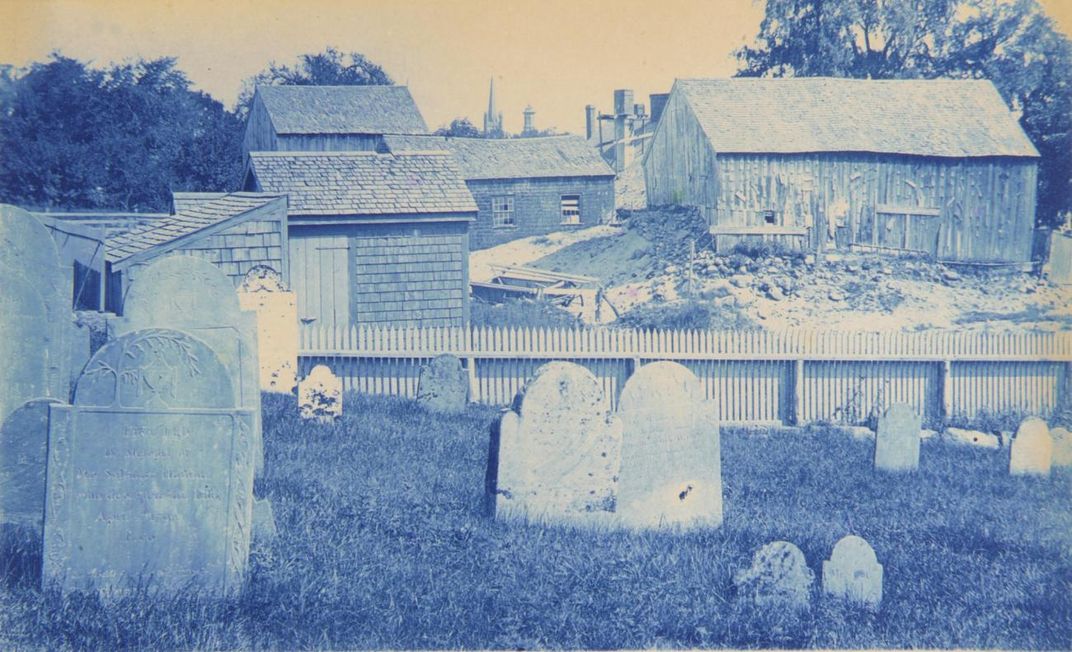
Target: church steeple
(493,117)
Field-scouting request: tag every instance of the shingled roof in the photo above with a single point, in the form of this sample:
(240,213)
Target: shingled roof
(342,110)
(513,158)
(364,183)
(941,117)
(193,212)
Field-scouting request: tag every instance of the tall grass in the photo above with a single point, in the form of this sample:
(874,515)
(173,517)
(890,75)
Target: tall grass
(383,544)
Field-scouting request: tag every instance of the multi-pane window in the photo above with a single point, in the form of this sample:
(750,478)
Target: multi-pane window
(502,212)
(571,209)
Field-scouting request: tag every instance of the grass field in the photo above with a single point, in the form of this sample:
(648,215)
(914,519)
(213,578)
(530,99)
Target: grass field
(382,544)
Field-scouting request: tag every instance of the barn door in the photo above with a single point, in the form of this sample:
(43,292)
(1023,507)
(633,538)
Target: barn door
(909,228)
(319,272)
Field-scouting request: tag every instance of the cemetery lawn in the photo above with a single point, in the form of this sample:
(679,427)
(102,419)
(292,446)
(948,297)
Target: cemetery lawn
(383,544)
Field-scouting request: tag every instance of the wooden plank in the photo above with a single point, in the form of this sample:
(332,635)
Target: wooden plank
(765,230)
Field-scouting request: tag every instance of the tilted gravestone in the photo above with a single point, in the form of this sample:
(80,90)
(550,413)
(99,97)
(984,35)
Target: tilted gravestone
(671,474)
(853,573)
(263,292)
(443,385)
(150,471)
(36,321)
(779,577)
(23,447)
(1062,447)
(897,440)
(555,456)
(1032,449)
(192,295)
(320,395)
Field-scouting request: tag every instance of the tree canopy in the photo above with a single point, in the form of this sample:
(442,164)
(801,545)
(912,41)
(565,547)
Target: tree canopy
(1012,43)
(328,68)
(461,128)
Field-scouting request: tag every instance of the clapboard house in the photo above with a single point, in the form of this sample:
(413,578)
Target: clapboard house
(234,231)
(938,166)
(328,118)
(374,238)
(526,186)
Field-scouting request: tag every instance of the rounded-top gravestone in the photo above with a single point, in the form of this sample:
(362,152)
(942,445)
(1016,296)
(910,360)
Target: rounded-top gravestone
(262,278)
(1032,449)
(320,395)
(1062,447)
(263,293)
(443,385)
(853,573)
(23,448)
(779,577)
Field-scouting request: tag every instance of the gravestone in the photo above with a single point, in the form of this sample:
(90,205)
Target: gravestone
(36,321)
(555,456)
(1032,449)
(897,441)
(150,471)
(320,395)
(23,448)
(853,573)
(443,385)
(671,474)
(192,295)
(779,577)
(263,292)
(1062,447)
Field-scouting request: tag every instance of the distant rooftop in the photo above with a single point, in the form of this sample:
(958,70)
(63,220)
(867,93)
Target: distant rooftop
(364,183)
(342,110)
(513,158)
(939,117)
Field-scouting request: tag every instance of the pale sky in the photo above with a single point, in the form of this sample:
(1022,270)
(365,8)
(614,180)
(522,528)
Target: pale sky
(557,55)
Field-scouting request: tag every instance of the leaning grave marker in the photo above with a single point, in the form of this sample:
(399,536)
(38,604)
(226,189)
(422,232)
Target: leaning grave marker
(192,295)
(897,439)
(1032,449)
(443,385)
(150,471)
(23,449)
(262,291)
(670,464)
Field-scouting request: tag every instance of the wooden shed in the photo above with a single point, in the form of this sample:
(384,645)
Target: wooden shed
(939,167)
(328,118)
(374,237)
(81,247)
(234,231)
(526,186)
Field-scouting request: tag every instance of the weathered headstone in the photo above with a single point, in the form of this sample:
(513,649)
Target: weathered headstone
(555,456)
(853,573)
(897,441)
(35,313)
(150,471)
(1032,449)
(443,385)
(671,474)
(192,295)
(320,395)
(1062,447)
(23,448)
(779,577)
(263,292)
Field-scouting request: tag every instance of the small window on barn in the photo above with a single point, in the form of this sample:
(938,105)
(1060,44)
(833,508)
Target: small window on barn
(502,212)
(768,217)
(571,209)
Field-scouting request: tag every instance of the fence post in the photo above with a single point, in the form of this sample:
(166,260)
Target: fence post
(474,386)
(798,392)
(947,389)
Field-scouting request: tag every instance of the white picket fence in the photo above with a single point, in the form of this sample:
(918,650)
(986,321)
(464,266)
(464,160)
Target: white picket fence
(755,377)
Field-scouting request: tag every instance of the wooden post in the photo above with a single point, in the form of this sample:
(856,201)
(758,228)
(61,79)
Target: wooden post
(946,389)
(798,392)
(474,386)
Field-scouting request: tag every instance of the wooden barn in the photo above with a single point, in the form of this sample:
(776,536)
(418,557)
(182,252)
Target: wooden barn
(374,238)
(526,186)
(234,231)
(938,166)
(328,118)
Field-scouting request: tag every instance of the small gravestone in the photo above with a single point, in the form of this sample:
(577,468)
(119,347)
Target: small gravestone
(1062,447)
(853,573)
(1032,449)
(671,474)
(443,385)
(555,456)
(897,441)
(190,294)
(320,395)
(150,472)
(779,577)
(263,292)
(23,448)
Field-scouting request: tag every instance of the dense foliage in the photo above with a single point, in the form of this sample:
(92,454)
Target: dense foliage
(1014,44)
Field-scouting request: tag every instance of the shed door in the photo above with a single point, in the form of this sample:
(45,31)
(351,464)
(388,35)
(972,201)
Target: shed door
(319,273)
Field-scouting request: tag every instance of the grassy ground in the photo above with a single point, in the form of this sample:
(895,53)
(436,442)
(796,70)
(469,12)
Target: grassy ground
(382,544)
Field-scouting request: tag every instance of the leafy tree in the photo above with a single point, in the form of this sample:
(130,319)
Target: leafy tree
(1014,44)
(460,127)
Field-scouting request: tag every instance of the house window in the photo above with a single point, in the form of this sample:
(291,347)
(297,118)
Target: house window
(502,212)
(768,217)
(571,209)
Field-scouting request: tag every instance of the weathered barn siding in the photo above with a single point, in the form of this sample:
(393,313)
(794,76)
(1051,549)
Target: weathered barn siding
(538,206)
(975,209)
(259,135)
(412,273)
(679,166)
